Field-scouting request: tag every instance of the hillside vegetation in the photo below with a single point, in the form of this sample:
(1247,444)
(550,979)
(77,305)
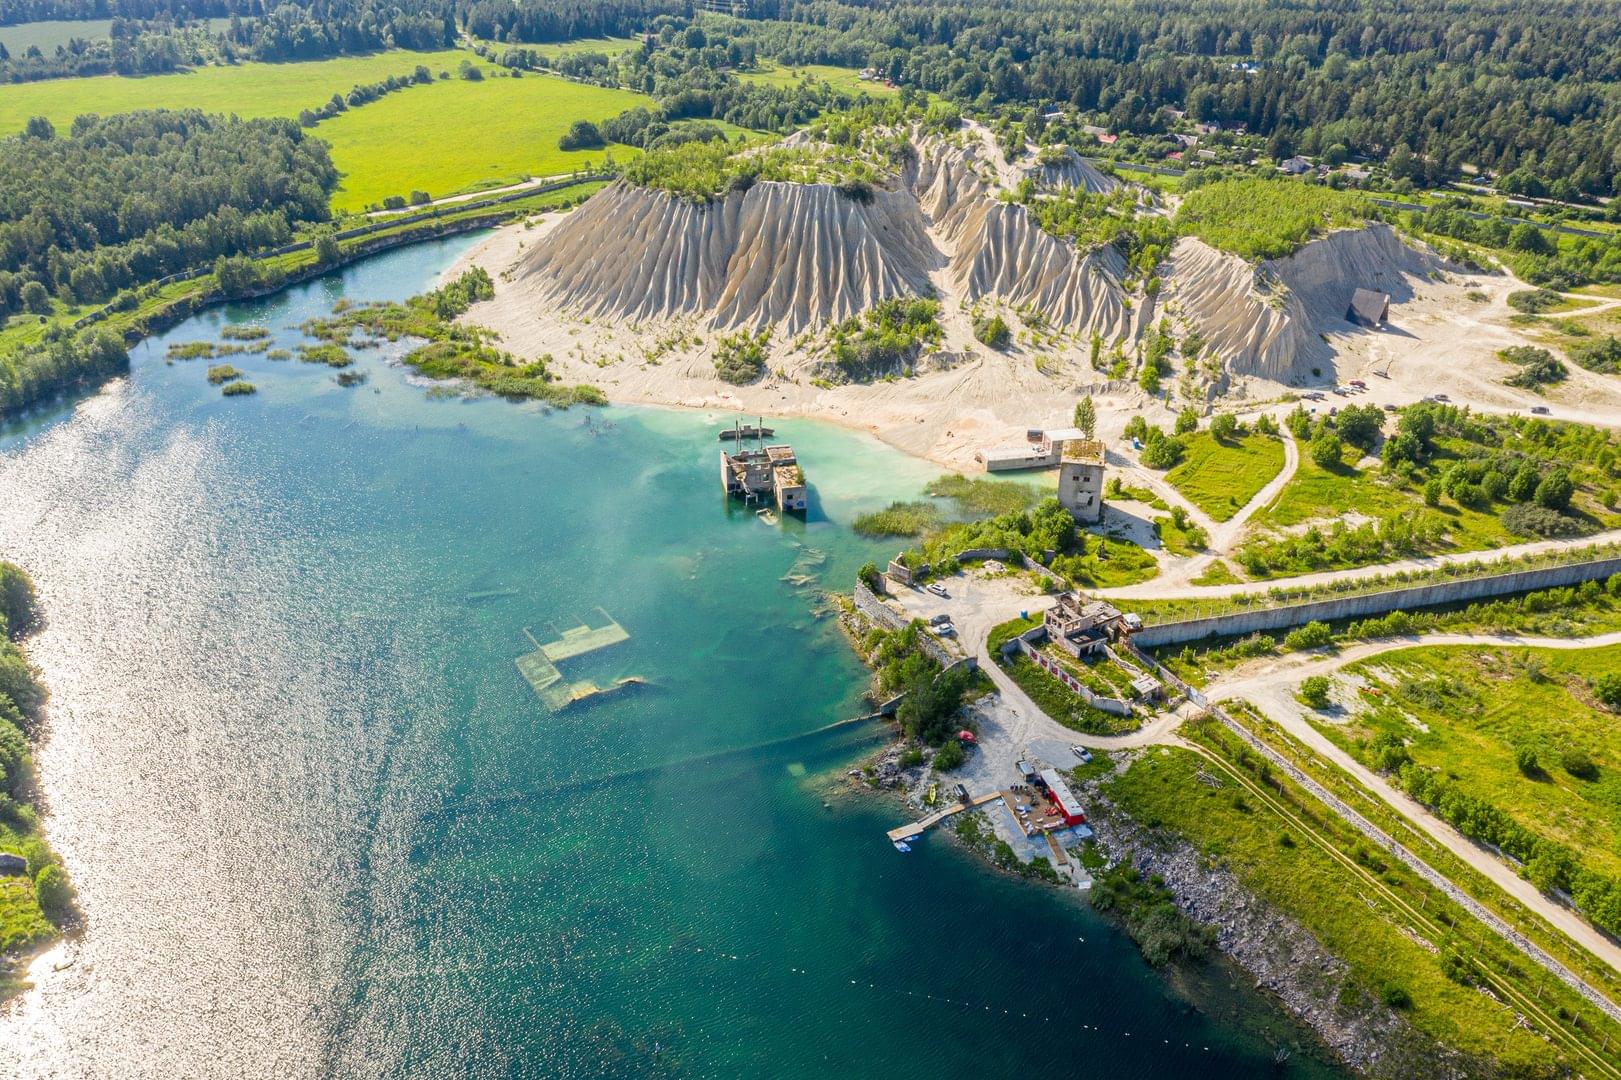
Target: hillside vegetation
(1266,219)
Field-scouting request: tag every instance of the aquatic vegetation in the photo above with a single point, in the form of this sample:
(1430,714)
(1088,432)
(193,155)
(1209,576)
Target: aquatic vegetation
(222,373)
(236,332)
(190,350)
(330,355)
(238,389)
(899,519)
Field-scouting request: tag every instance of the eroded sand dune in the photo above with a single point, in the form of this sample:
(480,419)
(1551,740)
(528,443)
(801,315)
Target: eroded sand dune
(1267,320)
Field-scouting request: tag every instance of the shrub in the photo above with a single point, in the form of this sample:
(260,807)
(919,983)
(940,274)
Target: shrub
(1528,519)
(1314,635)
(950,756)
(582,135)
(740,357)
(1602,356)
(19,602)
(1314,691)
(1533,301)
(1162,453)
(1525,759)
(1326,450)
(1223,426)
(1575,761)
(1187,421)
(1537,367)
(993,331)
(1555,490)
(1607,688)
(54,892)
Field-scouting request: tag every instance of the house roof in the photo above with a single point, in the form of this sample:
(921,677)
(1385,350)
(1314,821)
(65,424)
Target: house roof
(1369,306)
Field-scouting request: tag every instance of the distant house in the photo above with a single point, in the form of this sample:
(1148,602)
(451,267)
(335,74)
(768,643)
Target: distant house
(1174,155)
(1207,155)
(1368,308)
(1206,129)
(1295,166)
(1108,140)
(1357,176)
(1079,626)
(1183,139)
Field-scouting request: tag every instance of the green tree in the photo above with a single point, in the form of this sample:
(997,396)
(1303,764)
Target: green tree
(1314,691)
(1223,426)
(1522,487)
(1555,490)
(1607,688)
(1086,417)
(19,601)
(54,892)
(581,135)
(1530,239)
(1187,421)
(1327,450)
(39,127)
(327,250)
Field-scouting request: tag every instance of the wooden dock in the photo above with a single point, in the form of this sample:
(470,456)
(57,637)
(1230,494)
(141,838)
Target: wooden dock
(923,824)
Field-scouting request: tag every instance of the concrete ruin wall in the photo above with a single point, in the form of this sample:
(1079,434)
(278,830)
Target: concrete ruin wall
(1371,604)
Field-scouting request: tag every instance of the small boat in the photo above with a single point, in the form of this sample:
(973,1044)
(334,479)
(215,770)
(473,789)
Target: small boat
(902,845)
(768,516)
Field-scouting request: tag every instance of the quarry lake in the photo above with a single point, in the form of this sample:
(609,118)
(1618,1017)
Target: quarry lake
(322,827)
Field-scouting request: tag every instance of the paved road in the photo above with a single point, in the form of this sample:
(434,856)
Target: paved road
(1270,686)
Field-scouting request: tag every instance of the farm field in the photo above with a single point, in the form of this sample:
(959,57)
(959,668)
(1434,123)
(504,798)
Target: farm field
(1220,477)
(245,89)
(50,33)
(1471,712)
(465,134)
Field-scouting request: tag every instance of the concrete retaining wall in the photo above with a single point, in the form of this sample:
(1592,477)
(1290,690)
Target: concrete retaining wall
(876,611)
(1378,603)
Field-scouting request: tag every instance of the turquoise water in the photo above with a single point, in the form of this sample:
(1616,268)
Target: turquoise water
(321,827)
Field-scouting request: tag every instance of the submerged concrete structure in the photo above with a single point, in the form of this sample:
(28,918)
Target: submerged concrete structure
(769,473)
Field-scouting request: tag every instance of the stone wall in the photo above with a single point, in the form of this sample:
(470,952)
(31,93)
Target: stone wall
(1285,616)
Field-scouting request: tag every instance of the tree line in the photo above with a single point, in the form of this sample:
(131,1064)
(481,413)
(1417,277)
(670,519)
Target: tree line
(127,199)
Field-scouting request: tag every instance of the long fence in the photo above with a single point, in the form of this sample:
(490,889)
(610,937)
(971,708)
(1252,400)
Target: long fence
(1364,605)
(1368,829)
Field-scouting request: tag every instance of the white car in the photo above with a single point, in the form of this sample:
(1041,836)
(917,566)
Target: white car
(937,589)
(1083,753)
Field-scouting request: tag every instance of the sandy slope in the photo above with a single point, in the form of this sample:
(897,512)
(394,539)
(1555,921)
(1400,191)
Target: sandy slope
(631,291)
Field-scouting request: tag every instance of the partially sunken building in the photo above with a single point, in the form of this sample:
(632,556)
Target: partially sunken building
(766,474)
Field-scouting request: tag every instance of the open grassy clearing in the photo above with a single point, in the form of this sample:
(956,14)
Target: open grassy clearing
(1315,493)
(847,80)
(246,89)
(1473,713)
(49,33)
(1063,704)
(1220,476)
(1347,894)
(446,136)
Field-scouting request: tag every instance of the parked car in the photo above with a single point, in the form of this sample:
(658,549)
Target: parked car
(1083,753)
(940,619)
(1442,397)
(1540,410)
(937,589)
(1359,384)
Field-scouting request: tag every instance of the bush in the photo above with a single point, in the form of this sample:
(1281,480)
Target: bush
(582,135)
(1314,691)
(950,756)
(1326,450)
(1607,688)
(1187,421)
(1525,759)
(1528,519)
(1538,367)
(993,331)
(1575,761)
(1534,301)
(740,357)
(54,892)
(1223,426)
(1555,490)
(1314,635)
(1162,453)
(19,602)
(1602,356)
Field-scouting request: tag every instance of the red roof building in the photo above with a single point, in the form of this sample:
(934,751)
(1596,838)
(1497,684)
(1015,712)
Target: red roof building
(1058,793)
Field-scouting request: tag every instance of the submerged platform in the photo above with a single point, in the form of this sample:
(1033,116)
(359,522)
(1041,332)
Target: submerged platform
(539,668)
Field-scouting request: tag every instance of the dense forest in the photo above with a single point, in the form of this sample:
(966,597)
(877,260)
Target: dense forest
(1531,92)
(127,199)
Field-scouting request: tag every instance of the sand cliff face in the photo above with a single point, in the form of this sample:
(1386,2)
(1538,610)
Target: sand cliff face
(1267,320)
(800,257)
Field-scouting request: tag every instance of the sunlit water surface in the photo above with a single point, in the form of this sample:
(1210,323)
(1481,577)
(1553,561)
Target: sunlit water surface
(322,828)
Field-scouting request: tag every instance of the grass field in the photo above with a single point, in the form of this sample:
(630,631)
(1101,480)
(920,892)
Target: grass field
(51,33)
(1275,859)
(244,89)
(1220,477)
(1467,711)
(840,78)
(445,137)
(455,134)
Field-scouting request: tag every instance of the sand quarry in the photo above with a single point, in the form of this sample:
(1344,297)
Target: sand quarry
(631,291)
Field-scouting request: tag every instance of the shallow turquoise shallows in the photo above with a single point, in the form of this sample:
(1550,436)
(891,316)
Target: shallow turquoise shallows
(323,828)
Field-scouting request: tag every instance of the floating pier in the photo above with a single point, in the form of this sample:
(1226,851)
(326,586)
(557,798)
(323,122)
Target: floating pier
(540,671)
(917,828)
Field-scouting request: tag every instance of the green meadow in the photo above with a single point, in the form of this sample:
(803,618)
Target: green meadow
(447,136)
(840,78)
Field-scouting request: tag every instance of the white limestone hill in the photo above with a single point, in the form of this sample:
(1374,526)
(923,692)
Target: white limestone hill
(1268,319)
(798,256)
(777,254)
(1071,170)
